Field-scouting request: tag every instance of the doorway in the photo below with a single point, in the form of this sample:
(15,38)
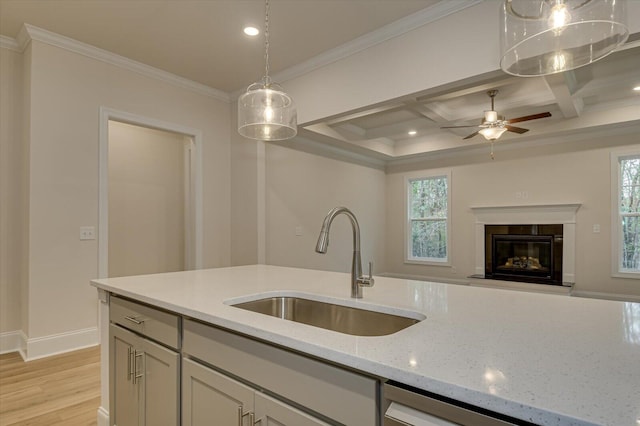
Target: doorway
(150,197)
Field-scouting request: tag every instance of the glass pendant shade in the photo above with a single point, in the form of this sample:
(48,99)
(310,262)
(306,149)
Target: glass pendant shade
(267,113)
(541,37)
(492,133)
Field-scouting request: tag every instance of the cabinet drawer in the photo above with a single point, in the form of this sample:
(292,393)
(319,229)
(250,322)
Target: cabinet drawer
(158,325)
(336,393)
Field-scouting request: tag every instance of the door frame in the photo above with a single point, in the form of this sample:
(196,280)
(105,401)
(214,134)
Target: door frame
(193,240)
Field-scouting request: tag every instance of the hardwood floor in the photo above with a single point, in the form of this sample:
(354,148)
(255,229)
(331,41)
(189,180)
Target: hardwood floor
(58,390)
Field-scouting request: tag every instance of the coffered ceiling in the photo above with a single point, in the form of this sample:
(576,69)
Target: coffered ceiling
(202,41)
(599,97)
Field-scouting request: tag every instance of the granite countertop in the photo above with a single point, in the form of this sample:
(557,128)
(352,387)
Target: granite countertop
(547,359)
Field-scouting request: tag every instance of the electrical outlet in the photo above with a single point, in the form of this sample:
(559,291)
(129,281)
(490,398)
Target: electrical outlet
(87,233)
(596,228)
(298,231)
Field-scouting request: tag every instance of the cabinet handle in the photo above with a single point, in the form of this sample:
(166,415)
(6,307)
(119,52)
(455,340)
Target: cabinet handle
(134,320)
(242,416)
(137,375)
(129,363)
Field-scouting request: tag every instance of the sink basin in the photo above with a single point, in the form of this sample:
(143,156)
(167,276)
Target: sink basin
(340,318)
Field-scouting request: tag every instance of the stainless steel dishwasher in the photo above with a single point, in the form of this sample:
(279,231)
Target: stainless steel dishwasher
(413,407)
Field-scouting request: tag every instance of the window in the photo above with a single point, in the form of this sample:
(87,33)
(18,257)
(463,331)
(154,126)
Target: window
(427,233)
(626,213)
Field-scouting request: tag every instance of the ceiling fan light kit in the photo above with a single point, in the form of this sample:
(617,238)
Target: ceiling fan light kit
(541,37)
(494,125)
(265,111)
(492,133)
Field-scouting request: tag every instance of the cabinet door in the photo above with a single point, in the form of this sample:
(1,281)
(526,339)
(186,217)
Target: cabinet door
(271,412)
(160,382)
(124,410)
(212,399)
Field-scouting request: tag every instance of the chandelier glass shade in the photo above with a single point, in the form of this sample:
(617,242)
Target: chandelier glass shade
(265,111)
(541,37)
(492,133)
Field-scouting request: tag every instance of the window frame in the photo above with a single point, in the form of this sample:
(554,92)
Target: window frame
(616,229)
(424,175)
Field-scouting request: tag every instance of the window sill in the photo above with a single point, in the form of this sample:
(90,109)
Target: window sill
(427,262)
(631,275)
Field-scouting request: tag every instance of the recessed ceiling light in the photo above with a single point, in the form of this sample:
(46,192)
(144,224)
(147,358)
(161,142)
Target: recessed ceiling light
(412,132)
(637,88)
(251,31)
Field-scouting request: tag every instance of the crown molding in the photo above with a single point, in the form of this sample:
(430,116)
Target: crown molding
(30,32)
(373,38)
(10,44)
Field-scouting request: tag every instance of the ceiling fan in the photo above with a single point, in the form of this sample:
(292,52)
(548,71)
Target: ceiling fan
(494,125)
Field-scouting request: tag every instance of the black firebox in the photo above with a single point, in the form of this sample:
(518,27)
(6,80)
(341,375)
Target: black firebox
(529,253)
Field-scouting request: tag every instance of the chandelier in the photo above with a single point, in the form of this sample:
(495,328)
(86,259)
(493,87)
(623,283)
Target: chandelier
(540,37)
(265,111)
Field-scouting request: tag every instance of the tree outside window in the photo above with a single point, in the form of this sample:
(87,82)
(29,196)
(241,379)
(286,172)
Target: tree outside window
(428,219)
(629,208)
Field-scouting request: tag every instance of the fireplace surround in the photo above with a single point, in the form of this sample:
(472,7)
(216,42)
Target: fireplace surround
(540,214)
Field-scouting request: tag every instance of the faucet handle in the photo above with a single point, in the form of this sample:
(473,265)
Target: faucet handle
(367,281)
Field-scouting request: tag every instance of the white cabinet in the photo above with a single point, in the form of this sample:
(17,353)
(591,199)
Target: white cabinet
(209,397)
(212,398)
(166,370)
(271,412)
(333,393)
(144,382)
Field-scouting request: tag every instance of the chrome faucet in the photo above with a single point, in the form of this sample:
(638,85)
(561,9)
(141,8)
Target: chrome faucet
(357,279)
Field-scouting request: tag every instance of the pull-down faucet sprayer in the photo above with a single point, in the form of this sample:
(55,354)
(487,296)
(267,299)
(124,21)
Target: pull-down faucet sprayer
(357,279)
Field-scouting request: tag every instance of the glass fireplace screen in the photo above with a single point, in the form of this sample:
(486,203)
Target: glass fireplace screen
(522,255)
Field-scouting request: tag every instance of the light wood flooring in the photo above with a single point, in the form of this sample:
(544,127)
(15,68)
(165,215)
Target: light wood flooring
(59,390)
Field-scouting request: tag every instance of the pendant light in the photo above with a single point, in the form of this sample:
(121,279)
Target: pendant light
(541,37)
(265,111)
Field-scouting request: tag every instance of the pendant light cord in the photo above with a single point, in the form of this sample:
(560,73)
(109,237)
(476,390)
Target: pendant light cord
(267,81)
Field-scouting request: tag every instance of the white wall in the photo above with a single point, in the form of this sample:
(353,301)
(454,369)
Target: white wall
(456,47)
(571,172)
(66,93)
(146,200)
(300,189)
(247,181)
(13,188)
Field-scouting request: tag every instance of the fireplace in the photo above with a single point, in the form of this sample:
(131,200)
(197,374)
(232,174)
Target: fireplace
(564,249)
(527,253)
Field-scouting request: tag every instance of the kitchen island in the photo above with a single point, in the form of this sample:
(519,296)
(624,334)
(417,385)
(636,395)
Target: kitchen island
(545,359)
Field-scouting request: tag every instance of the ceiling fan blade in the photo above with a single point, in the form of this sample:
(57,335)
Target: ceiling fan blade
(471,135)
(529,117)
(455,127)
(514,129)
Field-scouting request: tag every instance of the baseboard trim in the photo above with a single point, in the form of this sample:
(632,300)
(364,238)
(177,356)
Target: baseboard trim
(424,278)
(103,417)
(606,296)
(560,290)
(41,347)
(12,341)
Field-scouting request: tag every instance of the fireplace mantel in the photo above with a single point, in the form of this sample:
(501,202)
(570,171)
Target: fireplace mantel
(564,214)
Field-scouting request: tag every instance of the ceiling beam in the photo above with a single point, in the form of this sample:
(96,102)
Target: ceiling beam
(563,86)
(433,112)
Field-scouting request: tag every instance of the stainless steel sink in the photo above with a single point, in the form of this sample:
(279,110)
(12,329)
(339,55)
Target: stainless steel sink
(343,319)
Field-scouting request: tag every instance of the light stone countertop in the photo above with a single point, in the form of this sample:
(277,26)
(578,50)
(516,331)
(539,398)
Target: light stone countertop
(547,359)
